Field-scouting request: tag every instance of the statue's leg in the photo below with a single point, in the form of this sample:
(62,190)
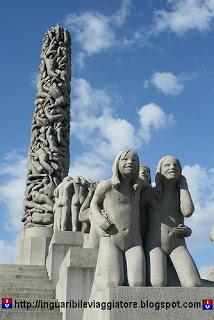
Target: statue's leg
(185,267)
(158,267)
(64,218)
(136,266)
(93,238)
(74,212)
(57,219)
(109,269)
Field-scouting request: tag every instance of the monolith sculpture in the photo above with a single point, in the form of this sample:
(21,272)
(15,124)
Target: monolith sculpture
(48,158)
(49,149)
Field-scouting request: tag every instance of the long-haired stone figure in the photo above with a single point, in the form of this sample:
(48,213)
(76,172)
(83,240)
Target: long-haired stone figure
(49,149)
(116,212)
(168,204)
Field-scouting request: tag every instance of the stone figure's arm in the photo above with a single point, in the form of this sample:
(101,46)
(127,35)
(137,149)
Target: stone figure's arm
(186,203)
(96,205)
(85,208)
(181,231)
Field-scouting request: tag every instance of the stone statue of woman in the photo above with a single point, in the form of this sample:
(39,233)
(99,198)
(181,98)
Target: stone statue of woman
(168,204)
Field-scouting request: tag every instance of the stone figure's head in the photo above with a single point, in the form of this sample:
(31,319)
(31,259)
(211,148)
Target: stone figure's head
(145,174)
(168,169)
(126,165)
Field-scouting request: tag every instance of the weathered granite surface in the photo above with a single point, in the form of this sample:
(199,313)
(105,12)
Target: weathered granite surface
(48,159)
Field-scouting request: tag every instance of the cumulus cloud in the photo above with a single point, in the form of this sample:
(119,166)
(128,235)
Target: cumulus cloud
(96,32)
(184,15)
(201,186)
(13,171)
(205,272)
(103,133)
(169,83)
(166,82)
(7,252)
(151,117)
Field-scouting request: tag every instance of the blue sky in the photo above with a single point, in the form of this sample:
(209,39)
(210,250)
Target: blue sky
(142,77)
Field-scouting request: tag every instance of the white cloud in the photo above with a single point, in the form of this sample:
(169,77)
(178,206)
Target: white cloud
(94,31)
(13,171)
(7,252)
(169,83)
(205,272)
(120,16)
(184,15)
(103,133)
(153,117)
(201,186)
(90,166)
(166,82)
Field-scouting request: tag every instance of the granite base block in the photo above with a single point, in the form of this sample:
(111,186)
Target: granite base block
(32,245)
(76,277)
(58,248)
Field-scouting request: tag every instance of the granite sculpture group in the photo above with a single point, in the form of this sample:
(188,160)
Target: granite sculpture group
(128,219)
(137,228)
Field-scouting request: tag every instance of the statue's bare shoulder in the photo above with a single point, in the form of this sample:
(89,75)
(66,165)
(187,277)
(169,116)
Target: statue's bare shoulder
(104,185)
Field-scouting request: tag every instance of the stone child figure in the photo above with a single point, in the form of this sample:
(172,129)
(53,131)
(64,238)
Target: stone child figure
(80,186)
(115,210)
(90,236)
(145,174)
(62,207)
(169,202)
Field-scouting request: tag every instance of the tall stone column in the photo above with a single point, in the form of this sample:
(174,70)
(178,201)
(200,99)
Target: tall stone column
(48,158)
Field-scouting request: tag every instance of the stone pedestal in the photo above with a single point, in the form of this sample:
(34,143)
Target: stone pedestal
(148,303)
(59,245)
(76,277)
(32,245)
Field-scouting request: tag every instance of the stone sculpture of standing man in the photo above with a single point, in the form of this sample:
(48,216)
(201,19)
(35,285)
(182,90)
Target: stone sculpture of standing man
(115,210)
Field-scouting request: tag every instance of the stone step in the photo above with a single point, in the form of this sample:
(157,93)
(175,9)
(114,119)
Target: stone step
(13,267)
(30,315)
(26,284)
(24,281)
(27,295)
(26,272)
(4,290)
(10,276)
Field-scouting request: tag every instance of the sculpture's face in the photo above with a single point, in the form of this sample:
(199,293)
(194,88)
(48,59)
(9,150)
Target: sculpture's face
(170,168)
(144,173)
(128,164)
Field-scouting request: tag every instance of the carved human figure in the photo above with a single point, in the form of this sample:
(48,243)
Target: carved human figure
(168,204)
(80,186)
(49,150)
(62,207)
(115,209)
(145,174)
(90,236)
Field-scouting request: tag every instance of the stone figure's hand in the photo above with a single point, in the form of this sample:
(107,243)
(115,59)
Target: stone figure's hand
(92,187)
(112,230)
(182,231)
(182,184)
